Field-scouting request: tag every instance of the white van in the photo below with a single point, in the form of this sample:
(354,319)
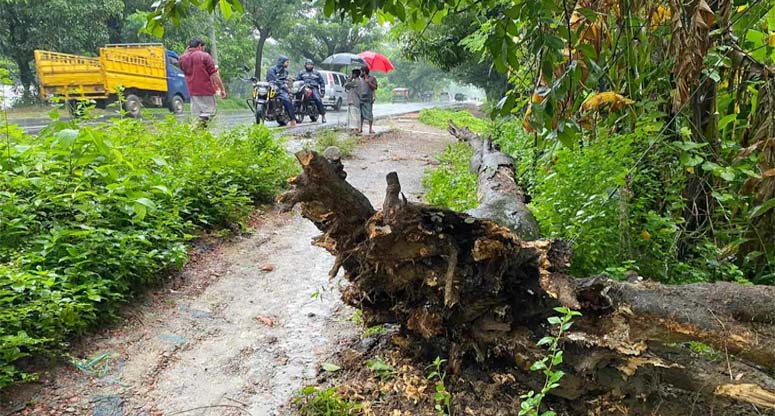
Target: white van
(335,97)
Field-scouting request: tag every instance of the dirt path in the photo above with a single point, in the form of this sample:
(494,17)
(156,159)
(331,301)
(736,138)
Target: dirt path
(239,329)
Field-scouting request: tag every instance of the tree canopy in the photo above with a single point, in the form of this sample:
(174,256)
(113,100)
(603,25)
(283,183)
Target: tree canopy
(26,25)
(316,36)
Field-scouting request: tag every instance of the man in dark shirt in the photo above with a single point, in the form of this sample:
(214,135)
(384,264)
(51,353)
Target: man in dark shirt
(278,77)
(202,79)
(314,80)
(366,89)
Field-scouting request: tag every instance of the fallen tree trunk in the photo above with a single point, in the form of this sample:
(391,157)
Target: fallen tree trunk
(471,288)
(500,198)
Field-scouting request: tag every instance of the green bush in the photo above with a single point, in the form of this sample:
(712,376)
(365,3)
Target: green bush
(91,214)
(439,117)
(619,219)
(451,184)
(327,138)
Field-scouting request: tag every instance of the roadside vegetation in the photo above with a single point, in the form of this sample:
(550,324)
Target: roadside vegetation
(342,140)
(93,214)
(451,184)
(620,222)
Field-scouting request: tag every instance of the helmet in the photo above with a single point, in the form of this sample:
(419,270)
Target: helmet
(308,62)
(282,59)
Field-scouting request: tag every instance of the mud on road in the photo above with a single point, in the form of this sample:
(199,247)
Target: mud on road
(242,328)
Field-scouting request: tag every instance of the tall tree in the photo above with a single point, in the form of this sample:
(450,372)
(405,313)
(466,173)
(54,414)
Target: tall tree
(270,19)
(74,26)
(317,36)
(441,45)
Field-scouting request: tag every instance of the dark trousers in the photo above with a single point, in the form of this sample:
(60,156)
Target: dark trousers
(286,99)
(318,101)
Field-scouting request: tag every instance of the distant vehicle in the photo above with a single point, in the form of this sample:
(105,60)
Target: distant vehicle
(335,94)
(460,97)
(148,74)
(444,96)
(400,95)
(427,96)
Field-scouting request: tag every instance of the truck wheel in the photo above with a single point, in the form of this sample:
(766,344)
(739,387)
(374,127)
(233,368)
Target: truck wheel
(177,105)
(133,105)
(338,105)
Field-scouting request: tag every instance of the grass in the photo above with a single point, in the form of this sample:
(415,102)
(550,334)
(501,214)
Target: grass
(452,184)
(328,137)
(439,117)
(314,401)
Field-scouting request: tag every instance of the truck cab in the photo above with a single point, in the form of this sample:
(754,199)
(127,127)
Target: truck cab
(176,84)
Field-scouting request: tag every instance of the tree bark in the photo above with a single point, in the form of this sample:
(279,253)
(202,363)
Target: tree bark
(213,40)
(260,53)
(472,290)
(500,198)
(26,77)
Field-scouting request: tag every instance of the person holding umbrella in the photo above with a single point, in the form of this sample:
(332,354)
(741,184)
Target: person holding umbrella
(354,102)
(366,89)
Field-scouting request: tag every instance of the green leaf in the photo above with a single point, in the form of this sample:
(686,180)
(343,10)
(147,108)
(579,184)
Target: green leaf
(225,8)
(545,341)
(146,203)
(331,368)
(66,137)
(724,121)
(728,174)
(328,9)
(771,19)
(140,211)
(763,208)
(554,320)
(691,160)
(538,365)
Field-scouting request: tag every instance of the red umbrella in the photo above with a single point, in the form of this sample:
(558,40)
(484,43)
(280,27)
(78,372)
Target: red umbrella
(377,61)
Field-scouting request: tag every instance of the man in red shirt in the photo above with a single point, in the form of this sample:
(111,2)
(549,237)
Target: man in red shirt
(202,79)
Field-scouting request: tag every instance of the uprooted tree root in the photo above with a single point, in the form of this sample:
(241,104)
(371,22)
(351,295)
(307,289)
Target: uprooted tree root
(472,290)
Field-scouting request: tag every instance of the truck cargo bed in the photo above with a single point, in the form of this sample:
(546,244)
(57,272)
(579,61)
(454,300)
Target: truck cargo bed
(141,66)
(70,75)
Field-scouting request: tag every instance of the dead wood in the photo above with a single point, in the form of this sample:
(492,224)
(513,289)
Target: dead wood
(500,198)
(471,289)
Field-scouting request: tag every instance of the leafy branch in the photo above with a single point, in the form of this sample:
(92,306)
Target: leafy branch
(532,401)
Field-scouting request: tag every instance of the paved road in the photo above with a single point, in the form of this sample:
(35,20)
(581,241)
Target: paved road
(233,118)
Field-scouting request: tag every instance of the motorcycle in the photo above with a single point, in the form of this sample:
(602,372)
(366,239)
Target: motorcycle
(265,103)
(303,102)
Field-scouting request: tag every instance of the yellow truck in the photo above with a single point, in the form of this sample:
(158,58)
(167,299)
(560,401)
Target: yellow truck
(147,74)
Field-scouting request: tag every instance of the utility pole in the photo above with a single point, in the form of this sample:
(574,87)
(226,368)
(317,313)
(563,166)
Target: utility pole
(213,45)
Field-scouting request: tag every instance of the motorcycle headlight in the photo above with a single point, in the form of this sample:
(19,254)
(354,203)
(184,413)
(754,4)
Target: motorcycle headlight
(262,91)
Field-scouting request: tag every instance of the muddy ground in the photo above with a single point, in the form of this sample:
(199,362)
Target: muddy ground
(242,328)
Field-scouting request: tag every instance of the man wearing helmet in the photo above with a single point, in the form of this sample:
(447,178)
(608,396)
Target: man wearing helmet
(278,77)
(313,78)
